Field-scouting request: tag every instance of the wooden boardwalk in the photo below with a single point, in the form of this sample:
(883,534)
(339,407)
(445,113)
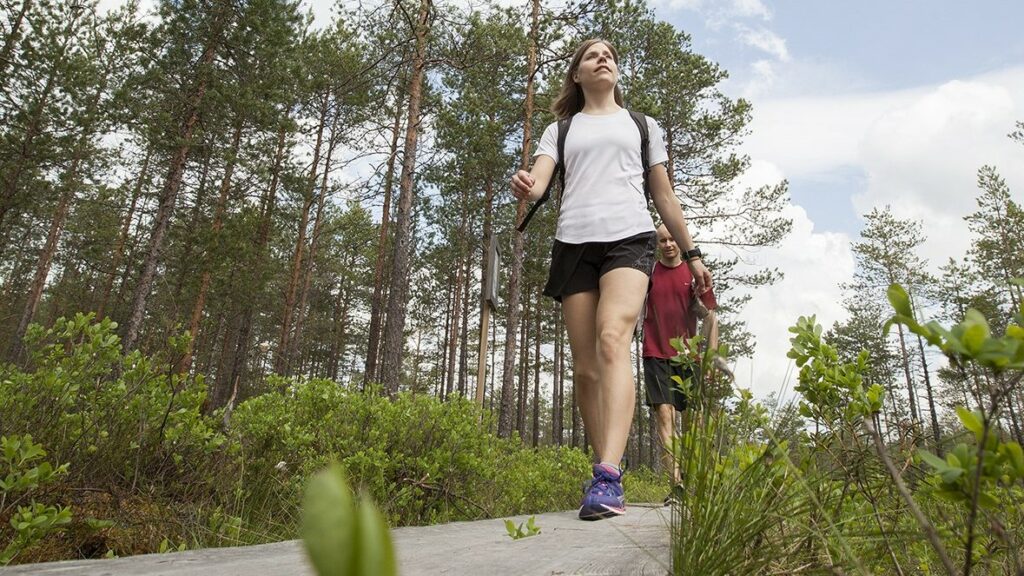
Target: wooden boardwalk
(637,543)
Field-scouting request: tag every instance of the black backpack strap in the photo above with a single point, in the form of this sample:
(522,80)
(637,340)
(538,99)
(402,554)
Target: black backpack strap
(645,142)
(563,129)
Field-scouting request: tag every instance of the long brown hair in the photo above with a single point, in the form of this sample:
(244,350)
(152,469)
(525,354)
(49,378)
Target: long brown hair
(570,98)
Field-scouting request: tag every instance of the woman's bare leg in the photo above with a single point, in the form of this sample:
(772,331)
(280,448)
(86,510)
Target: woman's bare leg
(580,313)
(622,293)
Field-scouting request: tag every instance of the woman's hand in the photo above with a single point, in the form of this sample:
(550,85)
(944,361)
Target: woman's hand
(522,185)
(701,275)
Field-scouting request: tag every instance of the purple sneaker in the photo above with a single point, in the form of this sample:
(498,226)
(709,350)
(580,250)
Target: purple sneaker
(604,498)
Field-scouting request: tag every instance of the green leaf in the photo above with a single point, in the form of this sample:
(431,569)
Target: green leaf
(374,553)
(971,420)
(328,527)
(949,475)
(987,500)
(531,526)
(1016,457)
(933,460)
(899,300)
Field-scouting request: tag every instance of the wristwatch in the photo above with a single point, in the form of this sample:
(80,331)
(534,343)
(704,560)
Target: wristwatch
(692,254)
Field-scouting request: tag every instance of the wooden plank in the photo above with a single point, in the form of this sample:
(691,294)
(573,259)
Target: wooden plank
(637,543)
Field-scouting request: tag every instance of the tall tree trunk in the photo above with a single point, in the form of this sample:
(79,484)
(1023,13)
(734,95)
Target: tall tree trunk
(936,433)
(443,384)
(524,371)
(283,359)
(911,392)
(536,376)
(122,238)
(220,394)
(169,192)
(215,228)
(206,347)
(339,340)
(558,388)
(309,269)
(69,187)
(377,301)
(394,327)
(229,342)
(453,336)
(314,244)
(512,318)
(464,344)
(186,270)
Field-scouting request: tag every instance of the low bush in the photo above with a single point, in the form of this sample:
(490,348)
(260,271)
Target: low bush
(145,470)
(421,460)
(834,496)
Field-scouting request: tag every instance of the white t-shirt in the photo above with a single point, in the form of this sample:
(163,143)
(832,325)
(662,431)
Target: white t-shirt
(604,180)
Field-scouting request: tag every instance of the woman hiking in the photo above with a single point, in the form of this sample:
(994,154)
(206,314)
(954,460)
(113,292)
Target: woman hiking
(603,252)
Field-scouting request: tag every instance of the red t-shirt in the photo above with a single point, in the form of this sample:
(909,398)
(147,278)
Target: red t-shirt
(668,313)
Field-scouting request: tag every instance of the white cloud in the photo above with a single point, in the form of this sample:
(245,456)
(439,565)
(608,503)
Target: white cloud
(920,150)
(923,157)
(815,263)
(764,40)
(719,13)
(692,5)
(750,9)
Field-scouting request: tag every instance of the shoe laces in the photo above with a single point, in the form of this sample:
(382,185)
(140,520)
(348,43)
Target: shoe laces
(602,486)
(602,482)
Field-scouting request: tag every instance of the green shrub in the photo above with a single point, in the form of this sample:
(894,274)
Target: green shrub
(23,477)
(114,417)
(422,460)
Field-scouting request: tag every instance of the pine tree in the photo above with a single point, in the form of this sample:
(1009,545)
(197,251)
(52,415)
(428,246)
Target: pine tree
(885,256)
(394,327)
(187,25)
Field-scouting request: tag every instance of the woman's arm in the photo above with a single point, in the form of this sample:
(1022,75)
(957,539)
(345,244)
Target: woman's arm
(531,185)
(671,213)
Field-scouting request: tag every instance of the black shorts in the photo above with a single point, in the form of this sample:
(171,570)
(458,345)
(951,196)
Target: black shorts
(578,267)
(661,389)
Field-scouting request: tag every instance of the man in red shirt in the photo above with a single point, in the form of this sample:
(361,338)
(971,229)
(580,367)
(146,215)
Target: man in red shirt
(671,311)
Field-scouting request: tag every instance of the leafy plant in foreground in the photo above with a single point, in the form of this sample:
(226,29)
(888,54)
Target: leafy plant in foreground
(993,470)
(32,522)
(342,537)
(517,532)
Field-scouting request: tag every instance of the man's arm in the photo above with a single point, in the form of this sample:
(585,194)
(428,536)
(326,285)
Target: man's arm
(671,213)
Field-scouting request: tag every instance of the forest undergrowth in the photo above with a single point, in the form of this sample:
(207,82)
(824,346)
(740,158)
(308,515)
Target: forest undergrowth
(106,453)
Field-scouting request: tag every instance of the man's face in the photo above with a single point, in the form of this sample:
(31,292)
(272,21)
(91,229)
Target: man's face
(666,245)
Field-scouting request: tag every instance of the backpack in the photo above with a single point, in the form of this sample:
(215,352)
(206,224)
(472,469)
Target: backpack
(563,128)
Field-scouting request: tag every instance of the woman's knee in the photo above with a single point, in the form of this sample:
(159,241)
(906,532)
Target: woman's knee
(613,344)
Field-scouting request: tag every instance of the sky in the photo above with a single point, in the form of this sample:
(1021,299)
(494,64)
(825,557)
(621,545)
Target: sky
(860,105)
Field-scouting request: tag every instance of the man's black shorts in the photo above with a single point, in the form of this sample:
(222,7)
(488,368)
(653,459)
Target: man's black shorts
(578,267)
(661,389)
